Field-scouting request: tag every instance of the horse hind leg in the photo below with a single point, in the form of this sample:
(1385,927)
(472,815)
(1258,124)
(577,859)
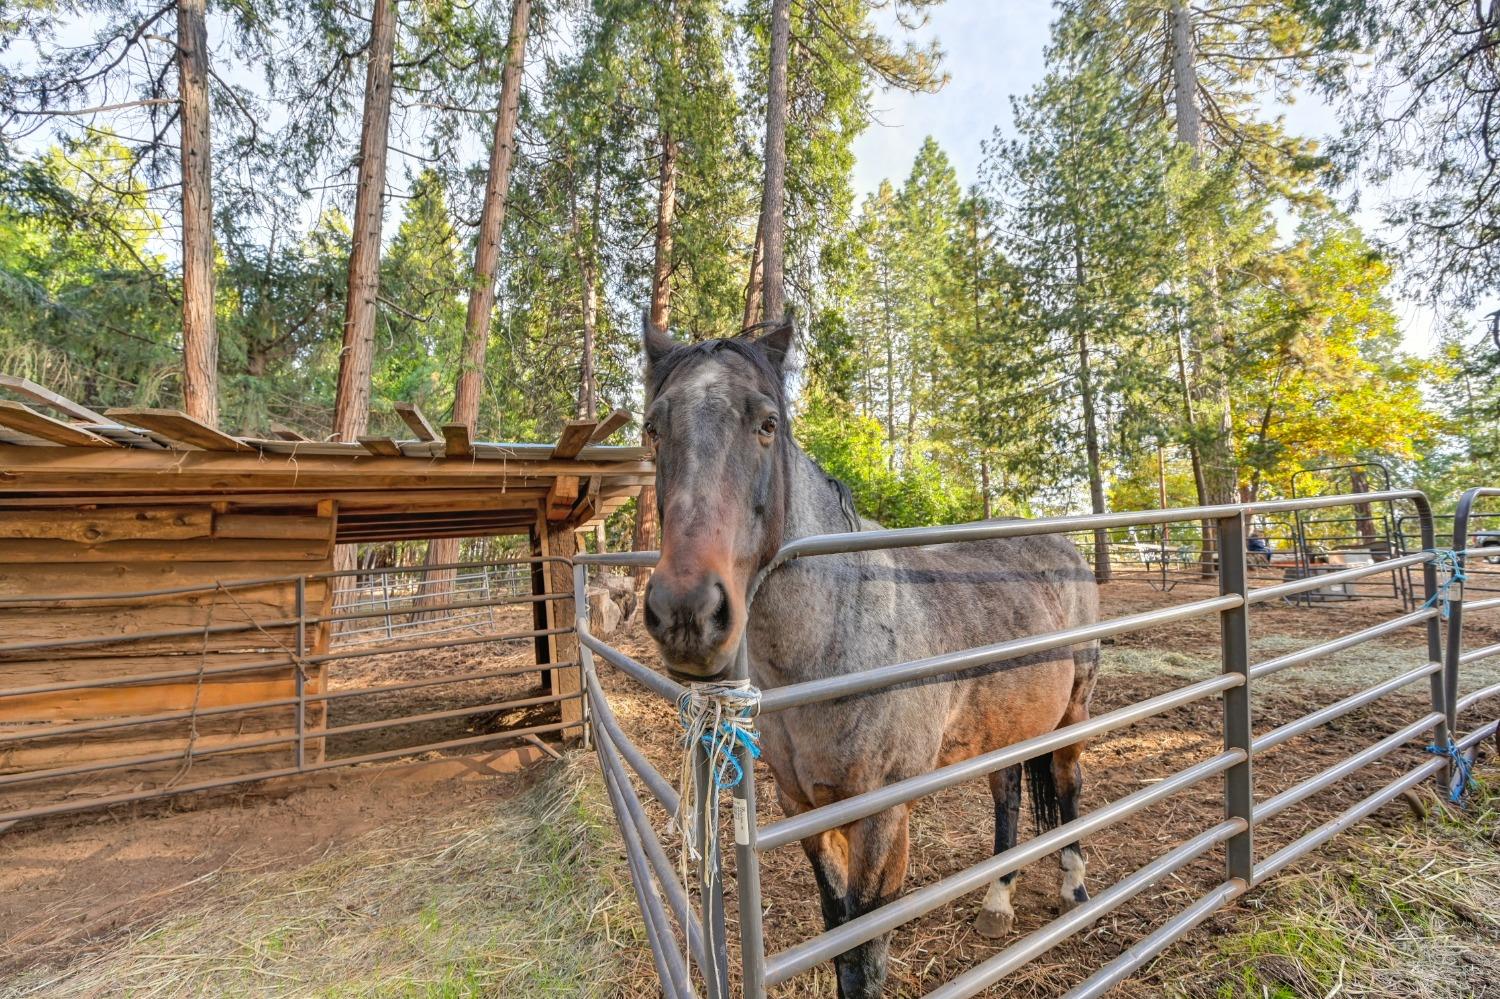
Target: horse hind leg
(1067,774)
(997,917)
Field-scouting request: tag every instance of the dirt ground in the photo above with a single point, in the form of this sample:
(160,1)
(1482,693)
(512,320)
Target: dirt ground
(78,886)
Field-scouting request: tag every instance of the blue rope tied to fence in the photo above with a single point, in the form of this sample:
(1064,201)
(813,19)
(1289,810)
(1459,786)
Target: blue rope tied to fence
(1450,561)
(721,718)
(1461,767)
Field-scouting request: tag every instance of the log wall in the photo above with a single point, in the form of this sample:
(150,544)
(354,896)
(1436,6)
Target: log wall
(60,554)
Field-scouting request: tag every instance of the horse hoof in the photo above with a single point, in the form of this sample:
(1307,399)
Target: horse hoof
(994,925)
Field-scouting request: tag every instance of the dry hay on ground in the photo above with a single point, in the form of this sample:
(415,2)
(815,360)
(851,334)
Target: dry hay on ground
(1251,946)
(520,895)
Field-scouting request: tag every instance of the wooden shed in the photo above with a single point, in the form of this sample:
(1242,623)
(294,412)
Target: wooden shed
(155,570)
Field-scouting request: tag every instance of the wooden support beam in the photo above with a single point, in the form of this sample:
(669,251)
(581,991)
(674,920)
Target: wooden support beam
(381,446)
(285,433)
(456,437)
(614,421)
(562,496)
(414,419)
(36,393)
(575,435)
(179,427)
(18,416)
(554,577)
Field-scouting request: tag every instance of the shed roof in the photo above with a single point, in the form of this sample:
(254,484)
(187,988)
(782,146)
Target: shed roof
(438,483)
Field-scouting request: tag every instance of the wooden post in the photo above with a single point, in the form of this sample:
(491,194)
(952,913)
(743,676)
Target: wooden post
(559,540)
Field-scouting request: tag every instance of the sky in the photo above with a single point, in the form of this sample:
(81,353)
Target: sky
(993,52)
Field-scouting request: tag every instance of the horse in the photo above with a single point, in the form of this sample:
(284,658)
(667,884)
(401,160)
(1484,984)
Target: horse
(732,487)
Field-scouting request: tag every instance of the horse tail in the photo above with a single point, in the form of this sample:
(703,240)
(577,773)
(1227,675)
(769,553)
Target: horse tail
(1046,806)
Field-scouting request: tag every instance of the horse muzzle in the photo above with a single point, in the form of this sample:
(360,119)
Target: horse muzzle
(694,624)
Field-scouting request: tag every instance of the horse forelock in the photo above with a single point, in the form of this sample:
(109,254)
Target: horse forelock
(690,356)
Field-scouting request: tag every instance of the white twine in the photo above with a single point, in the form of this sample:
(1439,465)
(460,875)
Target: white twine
(719,717)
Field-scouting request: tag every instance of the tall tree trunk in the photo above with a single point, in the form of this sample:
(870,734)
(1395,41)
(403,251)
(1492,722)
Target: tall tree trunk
(470,386)
(643,538)
(773,208)
(351,407)
(200,341)
(984,487)
(1189,119)
(1216,474)
(1091,433)
(754,293)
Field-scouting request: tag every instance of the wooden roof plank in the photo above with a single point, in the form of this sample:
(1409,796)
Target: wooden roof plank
(614,421)
(456,437)
(283,432)
(19,416)
(37,393)
(381,445)
(575,435)
(413,418)
(179,427)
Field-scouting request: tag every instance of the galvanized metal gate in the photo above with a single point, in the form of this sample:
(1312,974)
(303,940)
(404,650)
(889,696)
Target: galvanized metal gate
(242,692)
(672,914)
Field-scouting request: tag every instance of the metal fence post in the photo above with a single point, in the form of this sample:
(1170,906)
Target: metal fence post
(747,863)
(1239,793)
(711,879)
(585,654)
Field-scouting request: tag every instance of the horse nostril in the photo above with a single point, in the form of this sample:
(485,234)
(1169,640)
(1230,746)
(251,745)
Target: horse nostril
(721,613)
(653,622)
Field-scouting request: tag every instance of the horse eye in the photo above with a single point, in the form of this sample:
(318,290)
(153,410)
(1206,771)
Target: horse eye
(768,426)
(650,429)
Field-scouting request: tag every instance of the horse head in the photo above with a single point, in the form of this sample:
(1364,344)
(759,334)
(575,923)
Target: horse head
(716,414)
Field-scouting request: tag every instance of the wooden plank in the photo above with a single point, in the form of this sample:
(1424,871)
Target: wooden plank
(50,579)
(283,432)
(27,420)
(384,446)
(93,470)
(89,703)
(269,527)
(175,523)
(213,731)
(575,435)
(456,438)
(563,495)
(614,421)
(35,672)
(414,419)
(24,551)
(36,393)
(180,427)
(362,501)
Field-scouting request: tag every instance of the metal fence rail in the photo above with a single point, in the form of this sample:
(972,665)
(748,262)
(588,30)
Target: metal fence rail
(666,901)
(271,644)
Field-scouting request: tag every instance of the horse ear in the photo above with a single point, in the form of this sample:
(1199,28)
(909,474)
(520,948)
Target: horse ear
(655,343)
(778,343)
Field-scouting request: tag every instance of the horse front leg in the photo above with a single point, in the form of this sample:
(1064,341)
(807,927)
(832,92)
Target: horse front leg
(877,857)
